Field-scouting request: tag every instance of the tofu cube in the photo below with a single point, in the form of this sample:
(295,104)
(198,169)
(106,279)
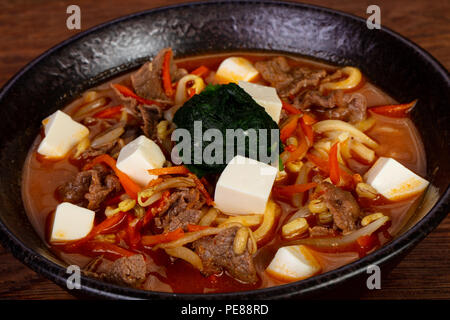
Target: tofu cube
(61,135)
(234,69)
(137,157)
(293,263)
(244,186)
(265,96)
(71,222)
(393,180)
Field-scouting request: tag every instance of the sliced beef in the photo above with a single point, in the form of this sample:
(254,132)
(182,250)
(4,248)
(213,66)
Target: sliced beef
(336,105)
(357,106)
(182,208)
(314,98)
(288,81)
(303,85)
(320,231)
(342,205)
(128,102)
(128,271)
(275,71)
(90,188)
(151,115)
(147,81)
(217,254)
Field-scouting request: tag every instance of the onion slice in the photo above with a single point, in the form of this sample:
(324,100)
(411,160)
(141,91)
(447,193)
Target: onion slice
(193,236)
(343,241)
(187,255)
(109,136)
(338,125)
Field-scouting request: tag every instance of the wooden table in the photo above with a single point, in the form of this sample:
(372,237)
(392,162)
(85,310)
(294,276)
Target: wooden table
(29,27)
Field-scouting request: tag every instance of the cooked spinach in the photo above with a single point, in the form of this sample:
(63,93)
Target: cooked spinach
(225,107)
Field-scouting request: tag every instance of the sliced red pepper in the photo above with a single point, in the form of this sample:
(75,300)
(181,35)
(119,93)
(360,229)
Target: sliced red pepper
(133,232)
(294,188)
(127,92)
(368,242)
(302,147)
(290,108)
(201,71)
(130,187)
(319,162)
(288,128)
(396,110)
(169,170)
(165,73)
(162,238)
(109,112)
(290,148)
(334,165)
(309,120)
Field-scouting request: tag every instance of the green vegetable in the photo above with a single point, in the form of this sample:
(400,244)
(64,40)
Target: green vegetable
(225,107)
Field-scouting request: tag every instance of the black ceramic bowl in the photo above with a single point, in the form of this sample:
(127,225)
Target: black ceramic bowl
(395,64)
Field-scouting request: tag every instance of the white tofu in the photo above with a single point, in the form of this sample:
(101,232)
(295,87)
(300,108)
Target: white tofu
(137,157)
(71,222)
(393,180)
(293,263)
(234,69)
(61,135)
(244,186)
(265,96)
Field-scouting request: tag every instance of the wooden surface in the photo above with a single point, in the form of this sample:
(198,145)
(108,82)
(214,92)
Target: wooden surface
(29,27)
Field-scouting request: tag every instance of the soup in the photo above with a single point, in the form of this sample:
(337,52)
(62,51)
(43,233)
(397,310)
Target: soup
(108,187)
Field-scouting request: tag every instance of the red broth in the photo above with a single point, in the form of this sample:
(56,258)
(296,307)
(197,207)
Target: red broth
(398,138)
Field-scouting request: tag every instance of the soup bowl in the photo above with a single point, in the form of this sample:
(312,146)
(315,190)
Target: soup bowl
(398,66)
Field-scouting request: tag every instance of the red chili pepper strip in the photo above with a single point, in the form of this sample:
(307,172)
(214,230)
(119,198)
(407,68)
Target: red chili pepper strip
(127,92)
(334,165)
(162,238)
(165,72)
(288,128)
(109,112)
(133,232)
(290,108)
(201,71)
(396,110)
(294,188)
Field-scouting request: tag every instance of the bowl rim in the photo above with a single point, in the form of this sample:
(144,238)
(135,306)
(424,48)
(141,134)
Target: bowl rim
(327,280)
